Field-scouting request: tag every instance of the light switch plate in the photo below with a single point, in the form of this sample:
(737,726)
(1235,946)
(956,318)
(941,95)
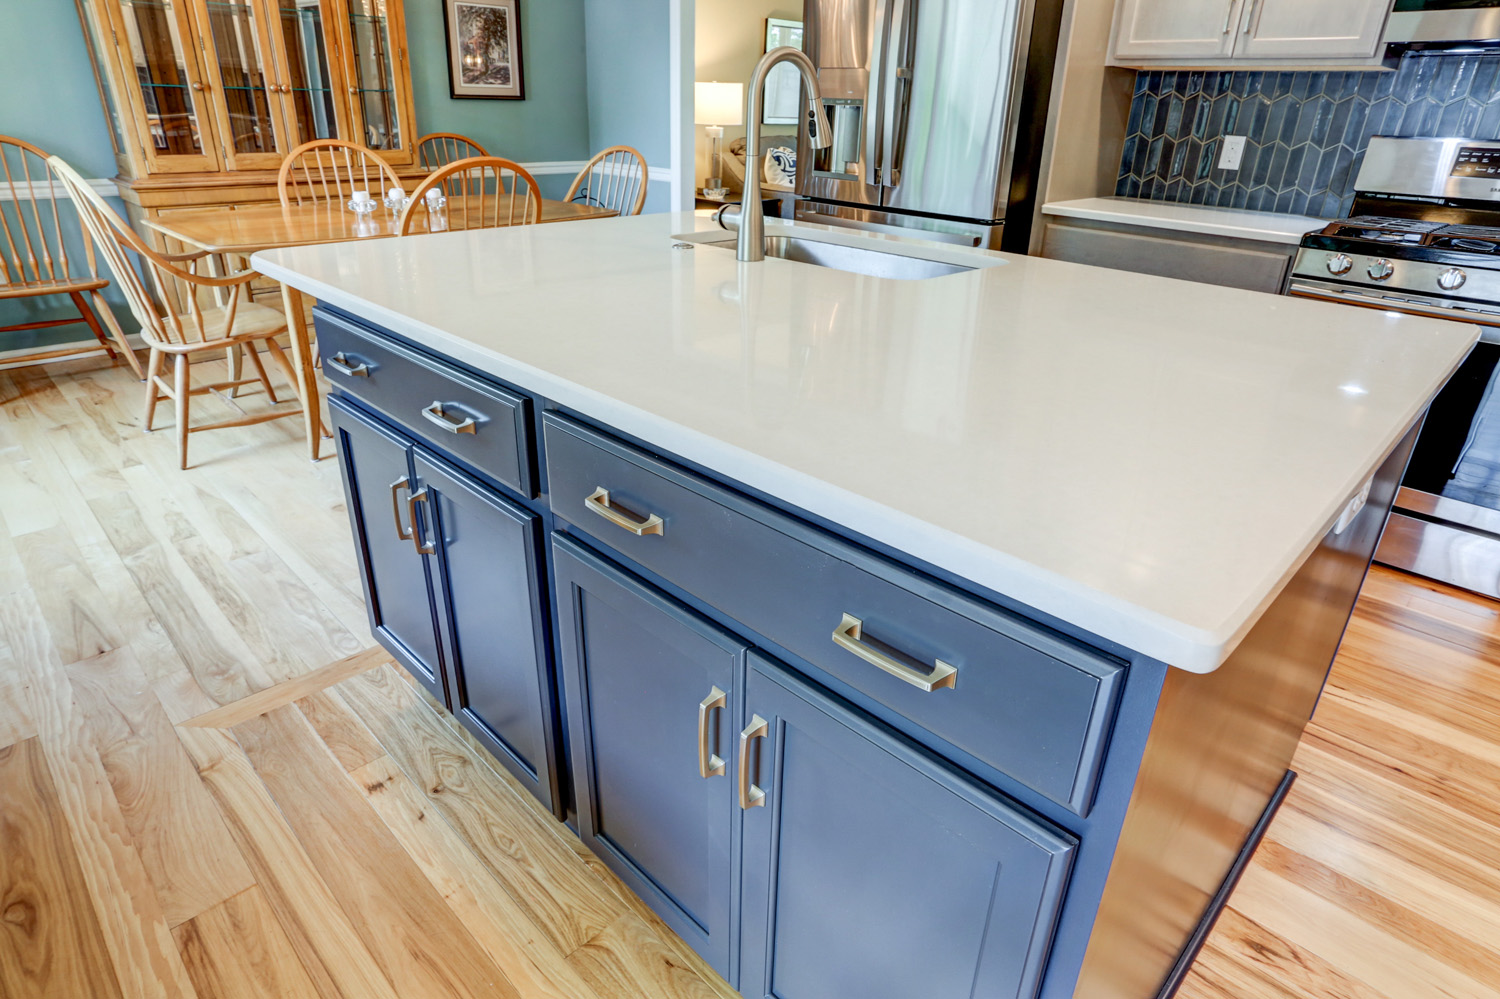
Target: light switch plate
(1232,153)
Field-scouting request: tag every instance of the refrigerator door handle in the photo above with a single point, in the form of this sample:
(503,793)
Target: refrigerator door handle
(876,91)
(892,105)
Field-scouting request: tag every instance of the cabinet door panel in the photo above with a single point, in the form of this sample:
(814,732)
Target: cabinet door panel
(636,666)
(1287,29)
(163,82)
(379,79)
(240,67)
(310,68)
(491,620)
(1165,29)
(398,589)
(875,871)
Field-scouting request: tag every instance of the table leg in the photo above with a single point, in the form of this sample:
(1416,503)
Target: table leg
(291,300)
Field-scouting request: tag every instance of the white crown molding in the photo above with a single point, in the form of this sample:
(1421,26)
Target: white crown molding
(17,192)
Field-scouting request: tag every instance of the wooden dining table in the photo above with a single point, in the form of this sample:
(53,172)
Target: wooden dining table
(251,228)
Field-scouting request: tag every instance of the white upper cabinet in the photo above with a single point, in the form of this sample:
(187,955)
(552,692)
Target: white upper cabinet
(1316,29)
(1173,29)
(1228,32)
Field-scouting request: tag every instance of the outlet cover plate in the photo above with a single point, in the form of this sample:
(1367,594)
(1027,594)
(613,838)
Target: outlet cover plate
(1232,152)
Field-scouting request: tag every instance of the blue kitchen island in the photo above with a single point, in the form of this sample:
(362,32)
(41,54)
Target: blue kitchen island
(940,637)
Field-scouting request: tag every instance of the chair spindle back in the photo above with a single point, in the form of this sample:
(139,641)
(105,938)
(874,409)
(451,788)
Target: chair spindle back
(482,192)
(33,250)
(332,170)
(116,241)
(438,149)
(615,178)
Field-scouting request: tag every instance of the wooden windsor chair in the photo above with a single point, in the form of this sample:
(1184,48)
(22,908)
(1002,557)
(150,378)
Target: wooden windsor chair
(438,149)
(35,262)
(615,178)
(482,192)
(239,323)
(332,170)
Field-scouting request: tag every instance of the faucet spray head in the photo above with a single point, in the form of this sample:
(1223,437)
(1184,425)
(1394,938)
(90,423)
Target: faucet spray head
(819,132)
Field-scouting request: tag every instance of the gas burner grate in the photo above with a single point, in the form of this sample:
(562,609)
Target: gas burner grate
(1392,224)
(1484,232)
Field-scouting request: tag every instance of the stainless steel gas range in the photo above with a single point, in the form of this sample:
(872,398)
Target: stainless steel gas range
(1424,237)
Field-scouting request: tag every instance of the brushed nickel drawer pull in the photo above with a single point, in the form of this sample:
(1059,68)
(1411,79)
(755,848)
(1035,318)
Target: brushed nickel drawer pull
(750,795)
(598,502)
(435,414)
(849,636)
(402,531)
(412,499)
(341,364)
(710,764)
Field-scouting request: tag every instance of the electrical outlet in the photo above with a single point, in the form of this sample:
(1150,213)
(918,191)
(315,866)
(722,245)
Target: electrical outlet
(1232,153)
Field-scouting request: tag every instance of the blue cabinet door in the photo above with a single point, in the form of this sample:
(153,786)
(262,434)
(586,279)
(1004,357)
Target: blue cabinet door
(651,695)
(872,870)
(486,561)
(378,483)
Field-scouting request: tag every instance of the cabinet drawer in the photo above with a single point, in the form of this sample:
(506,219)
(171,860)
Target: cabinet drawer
(479,423)
(1020,699)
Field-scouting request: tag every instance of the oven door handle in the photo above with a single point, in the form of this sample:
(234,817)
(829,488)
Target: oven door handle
(1489,325)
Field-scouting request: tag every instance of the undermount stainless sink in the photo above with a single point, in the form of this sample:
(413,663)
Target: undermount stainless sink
(842,257)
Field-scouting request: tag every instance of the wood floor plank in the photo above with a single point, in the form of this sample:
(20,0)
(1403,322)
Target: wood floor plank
(342,731)
(140,943)
(321,933)
(205,640)
(237,950)
(629,959)
(524,853)
(17,720)
(231,714)
(173,821)
(522,952)
(423,948)
(76,612)
(1243,958)
(50,940)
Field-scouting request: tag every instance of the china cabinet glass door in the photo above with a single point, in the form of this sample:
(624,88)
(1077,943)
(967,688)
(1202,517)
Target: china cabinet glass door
(307,63)
(164,82)
(240,65)
(375,76)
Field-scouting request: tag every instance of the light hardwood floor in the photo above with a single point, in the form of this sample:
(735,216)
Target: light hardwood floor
(210,787)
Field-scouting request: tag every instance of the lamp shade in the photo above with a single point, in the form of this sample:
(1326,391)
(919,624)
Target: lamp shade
(719,103)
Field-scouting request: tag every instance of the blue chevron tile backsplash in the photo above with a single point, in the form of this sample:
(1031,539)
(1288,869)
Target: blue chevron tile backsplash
(1306,132)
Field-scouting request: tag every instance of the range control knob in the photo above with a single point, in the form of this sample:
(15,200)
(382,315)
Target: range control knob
(1380,269)
(1340,263)
(1452,279)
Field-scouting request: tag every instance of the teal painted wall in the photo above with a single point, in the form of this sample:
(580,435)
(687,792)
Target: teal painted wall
(629,82)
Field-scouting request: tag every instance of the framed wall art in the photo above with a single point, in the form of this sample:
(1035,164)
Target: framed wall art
(484,48)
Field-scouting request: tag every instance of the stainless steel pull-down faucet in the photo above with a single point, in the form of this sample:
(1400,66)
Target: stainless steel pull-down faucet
(752,238)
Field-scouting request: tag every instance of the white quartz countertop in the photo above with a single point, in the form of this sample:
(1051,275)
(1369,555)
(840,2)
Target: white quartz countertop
(1145,458)
(1234,222)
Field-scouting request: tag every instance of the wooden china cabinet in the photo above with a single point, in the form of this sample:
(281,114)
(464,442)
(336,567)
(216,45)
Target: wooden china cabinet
(205,97)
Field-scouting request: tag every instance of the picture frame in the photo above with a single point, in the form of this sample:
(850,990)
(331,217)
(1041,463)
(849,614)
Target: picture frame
(484,49)
(784,85)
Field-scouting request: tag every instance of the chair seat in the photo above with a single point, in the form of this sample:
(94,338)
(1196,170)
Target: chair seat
(251,320)
(61,286)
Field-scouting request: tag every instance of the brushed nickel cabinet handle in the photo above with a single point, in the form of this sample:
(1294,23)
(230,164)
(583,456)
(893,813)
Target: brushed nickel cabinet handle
(402,531)
(750,795)
(849,636)
(435,414)
(340,363)
(412,499)
(710,764)
(598,502)
(1228,17)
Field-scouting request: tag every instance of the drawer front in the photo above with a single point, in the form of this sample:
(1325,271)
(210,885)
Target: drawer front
(481,424)
(1019,699)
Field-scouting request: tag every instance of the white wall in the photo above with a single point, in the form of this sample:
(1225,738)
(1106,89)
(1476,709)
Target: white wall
(729,38)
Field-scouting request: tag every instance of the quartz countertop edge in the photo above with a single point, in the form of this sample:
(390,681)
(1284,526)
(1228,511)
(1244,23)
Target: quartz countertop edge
(1205,220)
(332,274)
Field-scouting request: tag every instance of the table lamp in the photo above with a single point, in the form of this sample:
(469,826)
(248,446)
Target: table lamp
(717,105)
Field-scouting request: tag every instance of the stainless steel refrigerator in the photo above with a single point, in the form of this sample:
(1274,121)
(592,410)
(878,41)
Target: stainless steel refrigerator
(938,109)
